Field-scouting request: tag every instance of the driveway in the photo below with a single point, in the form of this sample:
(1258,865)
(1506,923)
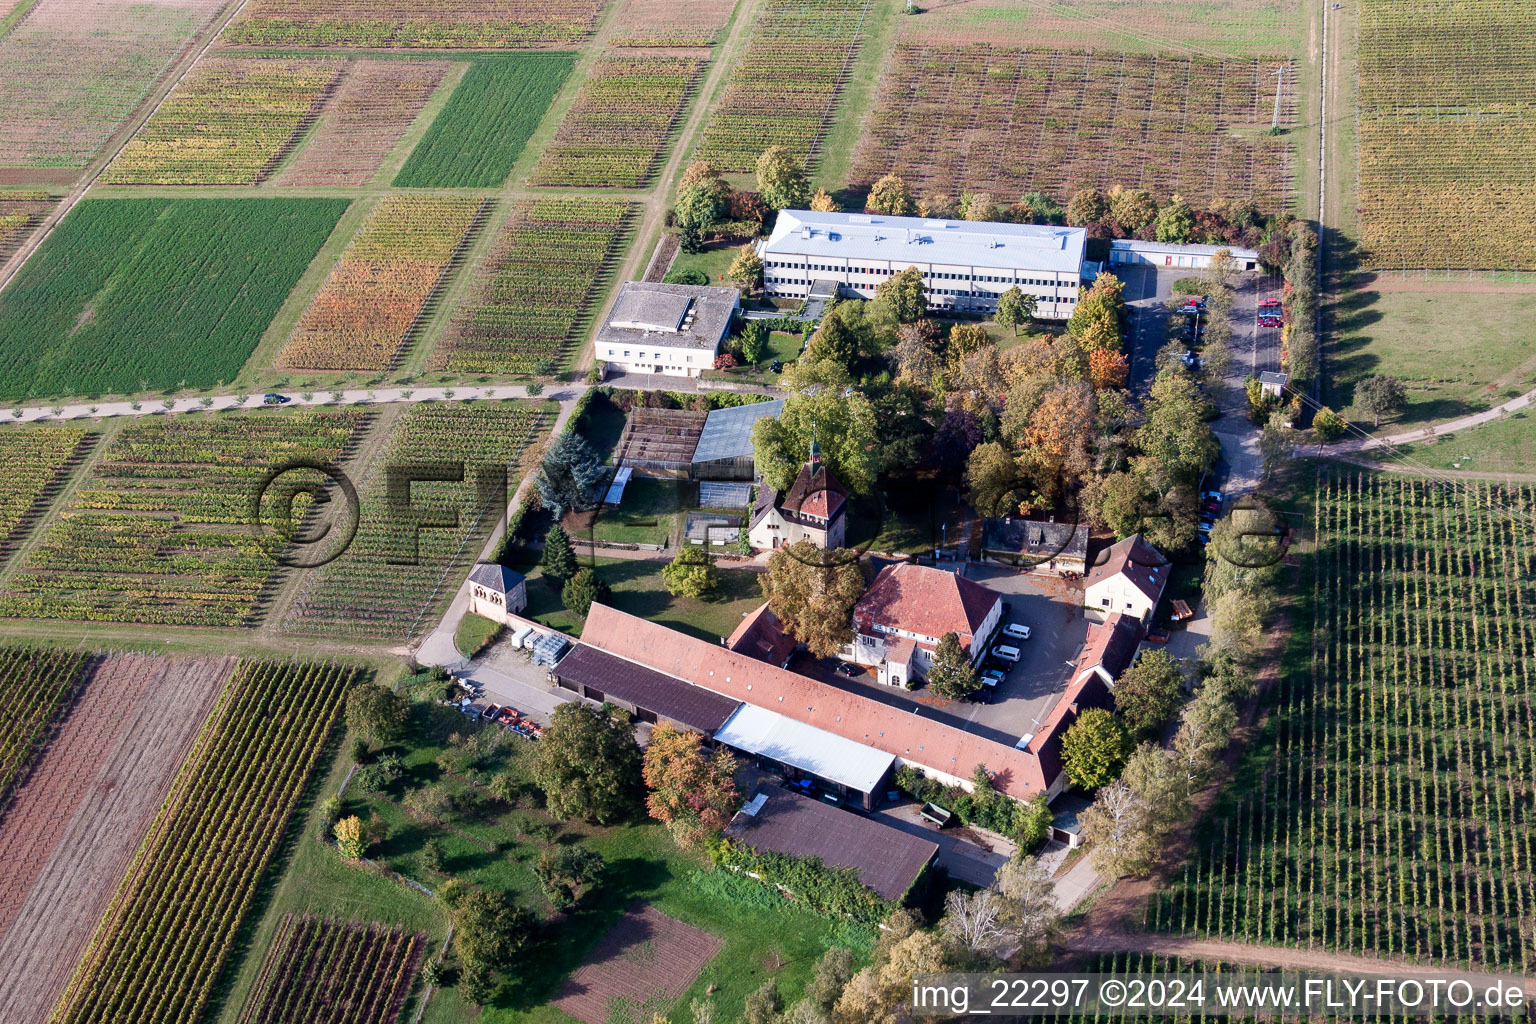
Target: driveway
(508,677)
(967,855)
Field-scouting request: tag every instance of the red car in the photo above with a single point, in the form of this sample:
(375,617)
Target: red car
(1269,321)
(1269,304)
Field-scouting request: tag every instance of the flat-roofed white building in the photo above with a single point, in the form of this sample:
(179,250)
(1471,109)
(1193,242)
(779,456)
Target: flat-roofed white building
(966,265)
(673,329)
(1134,251)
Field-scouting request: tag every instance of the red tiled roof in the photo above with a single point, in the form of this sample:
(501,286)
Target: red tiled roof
(901,733)
(1140,563)
(761,635)
(815,492)
(1107,647)
(924,600)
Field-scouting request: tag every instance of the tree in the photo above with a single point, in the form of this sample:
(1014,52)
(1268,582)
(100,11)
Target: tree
(1014,308)
(1094,749)
(1277,442)
(566,873)
(559,559)
(833,972)
(1096,319)
(834,340)
(1244,553)
(1042,208)
(376,712)
(1107,368)
(702,195)
(490,930)
(1133,208)
(1032,823)
(1153,774)
(1147,693)
(689,276)
(997,488)
(691,573)
(781,180)
(890,195)
(1204,733)
(1030,895)
(1379,395)
(1330,426)
(1175,221)
(822,202)
(570,475)
(747,268)
(978,206)
(845,426)
(951,674)
(957,436)
(1087,206)
(582,590)
(881,993)
(905,294)
(692,793)
(1059,434)
(587,764)
(975,920)
(754,343)
(813,593)
(1174,433)
(1221,272)
(349,837)
(1117,829)
(763,1005)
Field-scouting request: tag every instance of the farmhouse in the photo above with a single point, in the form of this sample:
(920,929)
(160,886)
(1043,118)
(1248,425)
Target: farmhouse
(965,265)
(900,619)
(1129,578)
(1035,544)
(761,635)
(1135,252)
(496,592)
(1110,649)
(724,451)
(812,509)
(649,696)
(671,329)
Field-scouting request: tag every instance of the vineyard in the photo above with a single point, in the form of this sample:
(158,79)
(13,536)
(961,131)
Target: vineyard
(325,972)
(33,466)
(480,133)
(432,24)
(378,290)
(34,685)
(617,131)
(367,115)
(1388,810)
(17,218)
(952,119)
(392,576)
(538,286)
(783,91)
(171,928)
(130,294)
(73,70)
(160,531)
(1446,122)
(228,123)
(668,23)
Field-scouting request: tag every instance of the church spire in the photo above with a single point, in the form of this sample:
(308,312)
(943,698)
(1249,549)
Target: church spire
(815,459)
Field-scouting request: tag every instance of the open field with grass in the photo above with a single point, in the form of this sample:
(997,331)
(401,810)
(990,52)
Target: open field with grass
(668,23)
(73,70)
(478,136)
(33,466)
(171,928)
(537,289)
(132,294)
(160,531)
(1386,808)
(1003,120)
(616,133)
(402,565)
(375,296)
(1457,352)
(1506,445)
(227,123)
(431,24)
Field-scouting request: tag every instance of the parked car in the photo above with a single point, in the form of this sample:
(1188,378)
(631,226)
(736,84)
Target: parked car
(1016,630)
(1204,528)
(1207,517)
(1269,321)
(992,676)
(1213,507)
(1211,496)
(845,669)
(1270,303)
(1191,360)
(1002,652)
(777,366)
(273,398)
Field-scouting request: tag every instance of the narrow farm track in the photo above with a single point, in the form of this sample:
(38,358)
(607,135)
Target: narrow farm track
(73,827)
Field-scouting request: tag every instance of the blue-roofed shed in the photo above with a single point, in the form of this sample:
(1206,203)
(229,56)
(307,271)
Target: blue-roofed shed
(724,451)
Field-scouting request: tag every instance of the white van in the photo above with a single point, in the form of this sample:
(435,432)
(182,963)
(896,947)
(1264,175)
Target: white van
(1005,653)
(1016,631)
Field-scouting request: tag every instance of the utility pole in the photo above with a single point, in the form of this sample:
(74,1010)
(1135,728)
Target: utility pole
(1274,120)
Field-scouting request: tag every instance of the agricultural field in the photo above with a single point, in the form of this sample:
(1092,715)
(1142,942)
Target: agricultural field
(669,23)
(229,122)
(617,132)
(951,119)
(1388,808)
(784,90)
(161,946)
(390,580)
(431,24)
(160,532)
(321,971)
(367,114)
(33,466)
(18,216)
(132,294)
(477,137)
(73,70)
(71,828)
(1445,125)
(34,687)
(376,294)
(537,288)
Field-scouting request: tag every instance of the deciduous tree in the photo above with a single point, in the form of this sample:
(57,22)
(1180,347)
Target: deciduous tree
(1118,832)
(702,195)
(747,268)
(1094,749)
(1148,693)
(978,206)
(1014,309)
(1133,208)
(349,837)
(1379,395)
(691,573)
(845,427)
(890,195)
(1107,368)
(822,202)
(1153,774)
(813,593)
(1031,916)
(904,293)
(975,920)
(376,712)
(1175,221)
(996,486)
(781,180)
(588,764)
(490,930)
(951,675)
(694,795)
(1087,206)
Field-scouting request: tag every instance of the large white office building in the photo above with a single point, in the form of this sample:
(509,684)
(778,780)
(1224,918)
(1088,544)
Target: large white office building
(966,265)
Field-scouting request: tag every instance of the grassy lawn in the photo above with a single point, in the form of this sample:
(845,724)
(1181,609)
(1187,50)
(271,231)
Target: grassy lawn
(637,589)
(901,524)
(1003,337)
(650,514)
(1507,445)
(475,631)
(1457,352)
(714,261)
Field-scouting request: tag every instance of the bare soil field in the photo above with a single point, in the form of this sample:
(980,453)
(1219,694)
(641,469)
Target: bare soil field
(71,829)
(643,965)
(363,119)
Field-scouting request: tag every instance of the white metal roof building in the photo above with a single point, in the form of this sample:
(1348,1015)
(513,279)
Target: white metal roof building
(966,265)
(1170,254)
(805,748)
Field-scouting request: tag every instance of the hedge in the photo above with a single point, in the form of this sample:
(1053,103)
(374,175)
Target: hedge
(835,892)
(986,807)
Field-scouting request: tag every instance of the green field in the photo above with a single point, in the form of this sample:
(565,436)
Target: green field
(1506,445)
(130,294)
(479,135)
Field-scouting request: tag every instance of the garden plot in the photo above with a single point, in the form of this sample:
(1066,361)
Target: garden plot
(433,24)
(952,119)
(73,70)
(640,968)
